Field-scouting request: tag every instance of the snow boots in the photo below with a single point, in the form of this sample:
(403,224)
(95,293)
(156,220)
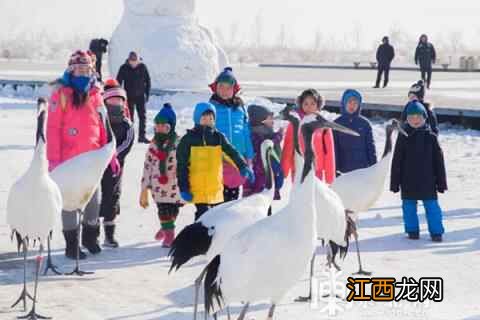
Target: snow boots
(160,235)
(169,237)
(90,238)
(143,139)
(110,240)
(71,240)
(436,237)
(414,235)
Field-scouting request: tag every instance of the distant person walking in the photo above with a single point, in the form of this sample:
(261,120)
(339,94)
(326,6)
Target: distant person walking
(99,48)
(385,56)
(425,56)
(134,76)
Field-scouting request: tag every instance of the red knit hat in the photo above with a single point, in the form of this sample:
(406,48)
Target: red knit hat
(80,58)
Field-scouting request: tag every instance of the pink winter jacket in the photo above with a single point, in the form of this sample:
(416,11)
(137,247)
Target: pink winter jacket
(70,130)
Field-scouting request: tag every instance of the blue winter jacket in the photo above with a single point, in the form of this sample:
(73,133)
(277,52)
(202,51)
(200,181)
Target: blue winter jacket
(232,121)
(352,153)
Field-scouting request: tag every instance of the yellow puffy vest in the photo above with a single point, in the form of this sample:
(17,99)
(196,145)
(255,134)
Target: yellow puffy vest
(206,174)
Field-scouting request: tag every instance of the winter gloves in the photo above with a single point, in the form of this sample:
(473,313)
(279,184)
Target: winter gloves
(144,199)
(186,195)
(115,166)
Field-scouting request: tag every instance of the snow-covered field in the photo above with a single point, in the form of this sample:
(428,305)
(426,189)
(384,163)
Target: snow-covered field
(132,282)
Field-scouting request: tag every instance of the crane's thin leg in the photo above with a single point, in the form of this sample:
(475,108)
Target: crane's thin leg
(32,315)
(77,270)
(330,262)
(198,283)
(49,265)
(244,312)
(360,270)
(24,295)
(271,311)
(312,273)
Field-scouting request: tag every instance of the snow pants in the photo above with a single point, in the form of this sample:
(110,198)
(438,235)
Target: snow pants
(70,219)
(433,213)
(138,103)
(385,70)
(111,192)
(426,73)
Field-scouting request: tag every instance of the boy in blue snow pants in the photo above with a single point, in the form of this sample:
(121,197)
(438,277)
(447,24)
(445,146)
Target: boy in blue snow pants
(433,213)
(418,170)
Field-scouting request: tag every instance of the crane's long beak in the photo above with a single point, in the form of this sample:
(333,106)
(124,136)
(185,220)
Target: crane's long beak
(340,128)
(401,130)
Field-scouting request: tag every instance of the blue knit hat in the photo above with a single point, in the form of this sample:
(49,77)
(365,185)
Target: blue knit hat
(349,93)
(201,108)
(226,76)
(416,108)
(166,115)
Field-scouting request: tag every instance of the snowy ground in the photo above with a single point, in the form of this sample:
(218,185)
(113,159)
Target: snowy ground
(132,282)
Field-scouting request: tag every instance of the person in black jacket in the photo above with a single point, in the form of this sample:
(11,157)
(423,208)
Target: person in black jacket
(99,48)
(425,56)
(115,99)
(418,170)
(385,56)
(134,76)
(417,92)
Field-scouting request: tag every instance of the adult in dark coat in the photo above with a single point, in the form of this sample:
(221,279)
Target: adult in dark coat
(134,76)
(425,56)
(385,56)
(418,171)
(352,153)
(99,48)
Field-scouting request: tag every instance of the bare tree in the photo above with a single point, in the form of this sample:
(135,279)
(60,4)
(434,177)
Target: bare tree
(282,37)
(236,37)
(455,41)
(317,41)
(257,30)
(357,35)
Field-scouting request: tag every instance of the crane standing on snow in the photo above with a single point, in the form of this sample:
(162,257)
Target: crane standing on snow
(370,180)
(34,219)
(249,272)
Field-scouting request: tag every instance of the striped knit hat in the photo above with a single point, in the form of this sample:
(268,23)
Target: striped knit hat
(113,89)
(80,58)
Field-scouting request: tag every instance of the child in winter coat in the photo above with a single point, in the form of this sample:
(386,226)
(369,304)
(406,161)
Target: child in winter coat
(352,153)
(418,171)
(232,121)
(160,175)
(310,101)
(261,123)
(417,92)
(200,161)
(75,127)
(115,100)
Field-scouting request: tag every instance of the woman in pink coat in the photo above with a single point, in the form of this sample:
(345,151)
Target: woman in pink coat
(74,127)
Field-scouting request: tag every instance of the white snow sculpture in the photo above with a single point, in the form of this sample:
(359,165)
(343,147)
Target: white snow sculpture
(178,51)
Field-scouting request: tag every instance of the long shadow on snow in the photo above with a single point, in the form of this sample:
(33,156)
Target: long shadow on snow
(15,147)
(138,254)
(453,243)
(464,213)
